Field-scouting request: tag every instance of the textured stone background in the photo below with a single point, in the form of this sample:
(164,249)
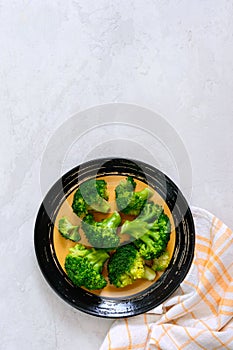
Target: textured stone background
(60,57)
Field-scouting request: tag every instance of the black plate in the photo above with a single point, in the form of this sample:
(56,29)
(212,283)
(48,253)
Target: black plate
(104,306)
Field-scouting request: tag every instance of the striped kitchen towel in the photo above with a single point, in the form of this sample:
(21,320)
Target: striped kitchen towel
(199,315)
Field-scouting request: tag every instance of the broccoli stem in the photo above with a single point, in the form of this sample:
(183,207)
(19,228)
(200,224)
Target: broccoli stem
(149,274)
(102,206)
(78,251)
(135,228)
(144,194)
(97,259)
(150,212)
(113,221)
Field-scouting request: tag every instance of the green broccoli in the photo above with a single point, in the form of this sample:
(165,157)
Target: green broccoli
(128,201)
(150,212)
(150,238)
(84,267)
(126,265)
(139,226)
(102,234)
(91,195)
(161,263)
(67,230)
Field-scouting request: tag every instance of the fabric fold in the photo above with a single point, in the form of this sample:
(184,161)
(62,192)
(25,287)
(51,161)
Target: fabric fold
(199,315)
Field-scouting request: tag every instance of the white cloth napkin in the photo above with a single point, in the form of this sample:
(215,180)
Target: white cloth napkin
(199,315)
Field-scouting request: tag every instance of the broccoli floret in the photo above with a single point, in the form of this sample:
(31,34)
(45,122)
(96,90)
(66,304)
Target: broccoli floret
(150,212)
(102,234)
(161,263)
(91,195)
(150,238)
(126,265)
(84,267)
(67,230)
(128,201)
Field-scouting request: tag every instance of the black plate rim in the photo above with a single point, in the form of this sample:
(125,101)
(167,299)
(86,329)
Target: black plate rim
(87,302)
